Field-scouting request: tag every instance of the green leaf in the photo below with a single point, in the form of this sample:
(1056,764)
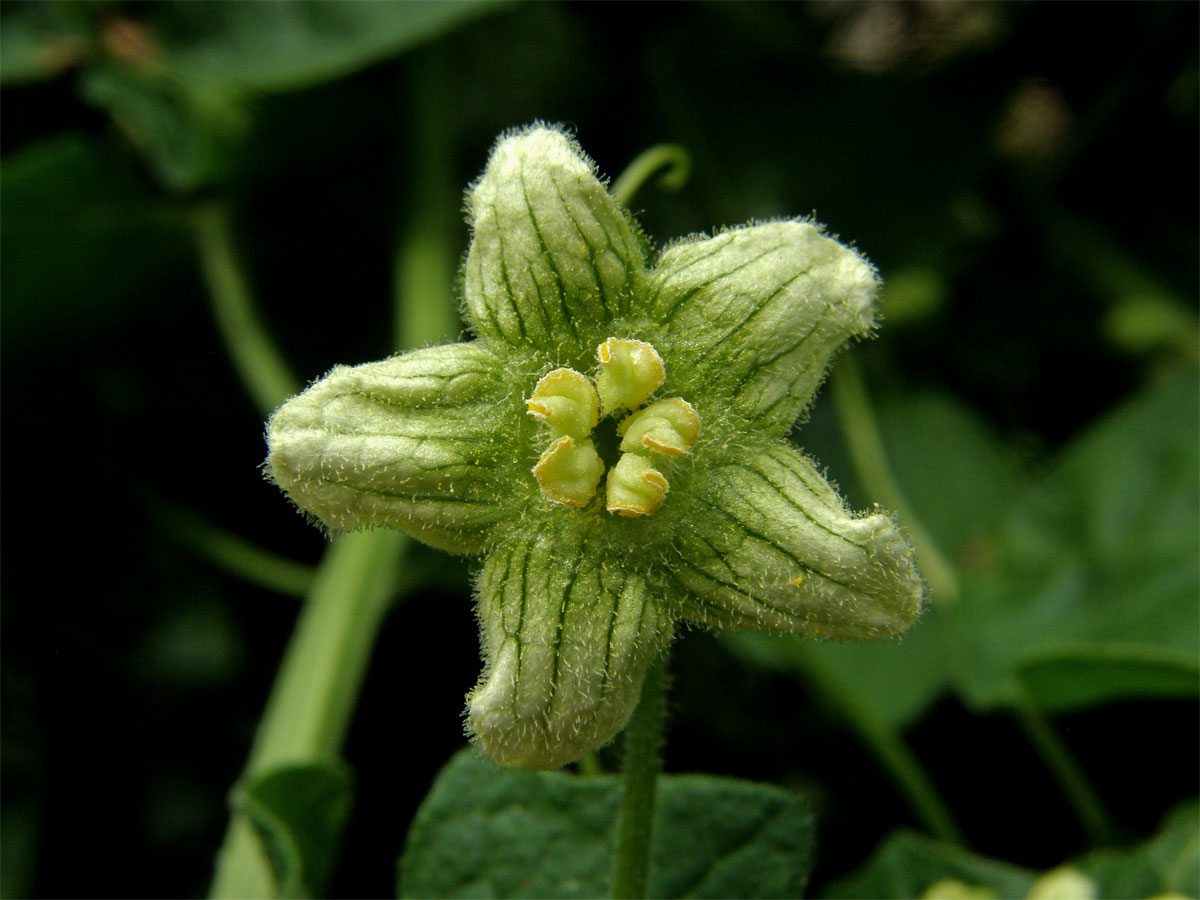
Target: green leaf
(285,46)
(1083,676)
(1103,552)
(68,193)
(187,128)
(299,811)
(1167,863)
(907,864)
(488,832)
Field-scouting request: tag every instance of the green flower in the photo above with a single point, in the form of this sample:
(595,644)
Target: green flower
(613,444)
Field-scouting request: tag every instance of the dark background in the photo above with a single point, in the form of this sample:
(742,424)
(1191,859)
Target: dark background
(1021,169)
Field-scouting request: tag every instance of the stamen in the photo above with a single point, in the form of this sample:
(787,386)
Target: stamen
(670,427)
(630,371)
(568,472)
(635,487)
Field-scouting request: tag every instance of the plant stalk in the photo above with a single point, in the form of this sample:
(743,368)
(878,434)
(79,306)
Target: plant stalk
(1067,772)
(643,760)
(317,686)
(257,360)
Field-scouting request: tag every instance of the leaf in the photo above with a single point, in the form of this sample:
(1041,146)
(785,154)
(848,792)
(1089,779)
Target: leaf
(299,811)
(717,837)
(1167,863)
(488,832)
(187,128)
(1103,552)
(82,235)
(907,864)
(285,46)
(1083,676)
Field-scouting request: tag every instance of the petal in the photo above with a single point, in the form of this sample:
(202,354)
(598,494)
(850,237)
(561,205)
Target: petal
(551,252)
(772,546)
(760,311)
(567,637)
(409,443)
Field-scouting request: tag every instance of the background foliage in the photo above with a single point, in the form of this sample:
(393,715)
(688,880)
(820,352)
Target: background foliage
(1027,186)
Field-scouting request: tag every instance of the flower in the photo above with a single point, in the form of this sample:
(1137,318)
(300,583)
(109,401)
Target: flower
(612,443)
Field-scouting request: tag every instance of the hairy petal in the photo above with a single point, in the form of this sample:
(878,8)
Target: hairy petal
(760,311)
(410,443)
(772,546)
(551,252)
(567,638)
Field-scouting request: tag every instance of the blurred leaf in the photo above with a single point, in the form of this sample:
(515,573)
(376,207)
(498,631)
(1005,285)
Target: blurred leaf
(1167,863)
(283,45)
(487,832)
(1105,550)
(39,40)
(81,234)
(299,811)
(1091,674)
(187,128)
(907,864)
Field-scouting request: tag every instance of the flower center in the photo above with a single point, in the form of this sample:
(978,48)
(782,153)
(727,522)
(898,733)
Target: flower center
(572,405)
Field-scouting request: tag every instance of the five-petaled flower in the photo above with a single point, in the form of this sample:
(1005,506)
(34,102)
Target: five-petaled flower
(613,444)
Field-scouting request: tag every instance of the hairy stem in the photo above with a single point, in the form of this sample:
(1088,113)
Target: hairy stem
(875,472)
(257,360)
(635,821)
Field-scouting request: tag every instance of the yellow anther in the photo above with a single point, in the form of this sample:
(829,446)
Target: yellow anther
(630,371)
(566,401)
(670,427)
(635,487)
(568,472)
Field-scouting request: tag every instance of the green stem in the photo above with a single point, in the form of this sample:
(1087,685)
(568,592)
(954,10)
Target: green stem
(423,272)
(635,823)
(890,749)
(672,157)
(235,554)
(317,685)
(258,362)
(871,463)
(1066,770)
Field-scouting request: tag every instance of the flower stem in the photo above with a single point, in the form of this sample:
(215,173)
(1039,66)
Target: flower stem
(257,359)
(672,157)
(871,463)
(635,822)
